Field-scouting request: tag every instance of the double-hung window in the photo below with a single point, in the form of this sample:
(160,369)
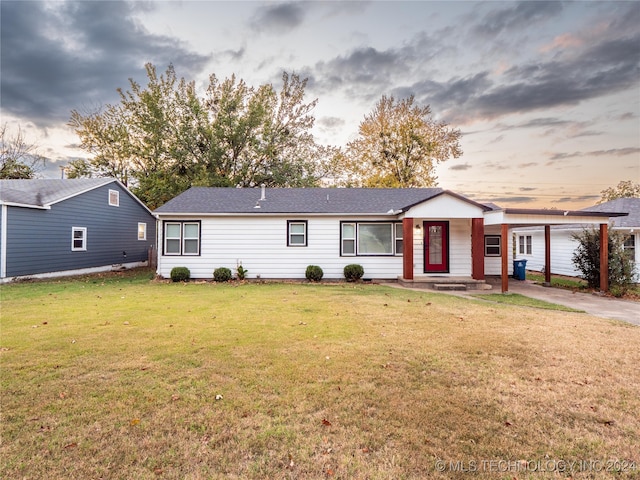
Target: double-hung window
(78,239)
(524,245)
(182,238)
(114,198)
(142,231)
(371,238)
(629,246)
(492,245)
(296,233)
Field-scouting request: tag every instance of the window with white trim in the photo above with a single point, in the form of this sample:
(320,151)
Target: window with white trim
(114,198)
(296,233)
(78,239)
(492,245)
(142,231)
(524,245)
(629,246)
(371,238)
(181,238)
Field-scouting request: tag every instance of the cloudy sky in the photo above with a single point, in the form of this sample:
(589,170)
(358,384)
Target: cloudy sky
(547,94)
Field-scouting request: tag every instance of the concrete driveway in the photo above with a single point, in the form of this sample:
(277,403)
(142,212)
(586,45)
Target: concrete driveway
(594,304)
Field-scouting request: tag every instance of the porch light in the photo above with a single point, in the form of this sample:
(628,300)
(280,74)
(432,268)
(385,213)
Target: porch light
(418,227)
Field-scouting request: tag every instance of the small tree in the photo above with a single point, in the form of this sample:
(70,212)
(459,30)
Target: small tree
(586,258)
(19,159)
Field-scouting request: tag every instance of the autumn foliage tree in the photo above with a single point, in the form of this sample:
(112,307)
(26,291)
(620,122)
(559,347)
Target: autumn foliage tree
(19,158)
(399,145)
(624,189)
(163,138)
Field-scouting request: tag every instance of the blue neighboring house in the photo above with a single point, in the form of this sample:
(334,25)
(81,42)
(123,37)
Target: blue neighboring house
(61,227)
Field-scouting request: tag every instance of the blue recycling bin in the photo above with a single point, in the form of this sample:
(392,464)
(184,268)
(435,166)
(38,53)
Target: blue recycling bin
(519,269)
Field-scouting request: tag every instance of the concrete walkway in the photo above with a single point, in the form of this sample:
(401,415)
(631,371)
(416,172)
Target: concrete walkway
(593,304)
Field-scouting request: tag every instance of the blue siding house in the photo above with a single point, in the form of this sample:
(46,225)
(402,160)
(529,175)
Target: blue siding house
(71,226)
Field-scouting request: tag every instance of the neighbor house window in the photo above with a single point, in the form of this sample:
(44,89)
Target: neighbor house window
(371,238)
(492,245)
(524,242)
(296,233)
(114,198)
(182,238)
(78,239)
(629,245)
(142,231)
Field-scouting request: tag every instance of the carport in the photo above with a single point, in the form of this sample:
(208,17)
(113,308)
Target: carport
(509,218)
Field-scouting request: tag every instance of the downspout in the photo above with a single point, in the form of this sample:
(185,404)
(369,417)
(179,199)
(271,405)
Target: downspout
(3,241)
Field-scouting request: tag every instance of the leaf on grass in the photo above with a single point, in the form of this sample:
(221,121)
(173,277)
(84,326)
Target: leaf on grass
(326,422)
(507,424)
(71,445)
(134,422)
(63,395)
(157,471)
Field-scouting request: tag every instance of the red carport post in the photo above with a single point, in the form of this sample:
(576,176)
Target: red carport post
(547,255)
(604,258)
(477,248)
(505,257)
(407,248)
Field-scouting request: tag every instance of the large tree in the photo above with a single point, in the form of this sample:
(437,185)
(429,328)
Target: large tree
(19,158)
(624,189)
(163,138)
(399,145)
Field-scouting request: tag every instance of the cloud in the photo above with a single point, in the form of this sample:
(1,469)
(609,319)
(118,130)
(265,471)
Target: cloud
(58,56)
(514,199)
(527,165)
(461,167)
(581,198)
(527,189)
(331,122)
(514,18)
(279,17)
(616,152)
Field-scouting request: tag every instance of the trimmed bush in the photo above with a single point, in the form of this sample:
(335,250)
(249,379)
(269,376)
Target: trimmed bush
(353,272)
(222,274)
(241,272)
(180,274)
(314,273)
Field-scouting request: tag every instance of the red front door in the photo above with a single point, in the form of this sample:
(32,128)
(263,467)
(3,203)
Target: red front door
(436,247)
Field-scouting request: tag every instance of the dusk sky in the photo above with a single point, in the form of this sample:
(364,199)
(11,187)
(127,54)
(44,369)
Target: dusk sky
(547,94)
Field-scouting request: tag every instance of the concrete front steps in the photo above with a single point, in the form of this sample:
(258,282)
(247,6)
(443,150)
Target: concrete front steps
(443,283)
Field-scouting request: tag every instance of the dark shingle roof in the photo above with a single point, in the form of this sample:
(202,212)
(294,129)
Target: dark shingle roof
(627,205)
(212,200)
(43,192)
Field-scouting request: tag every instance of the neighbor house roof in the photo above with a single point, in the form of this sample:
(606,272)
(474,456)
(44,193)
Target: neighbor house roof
(628,205)
(45,192)
(214,200)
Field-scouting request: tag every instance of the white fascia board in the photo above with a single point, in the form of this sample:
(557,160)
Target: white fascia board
(499,217)
(26,205)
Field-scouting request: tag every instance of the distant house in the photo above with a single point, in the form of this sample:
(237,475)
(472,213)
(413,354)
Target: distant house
(411,235)
(530,241)
(65,227)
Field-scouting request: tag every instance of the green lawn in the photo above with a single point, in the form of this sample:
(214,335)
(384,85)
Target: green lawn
(120,377)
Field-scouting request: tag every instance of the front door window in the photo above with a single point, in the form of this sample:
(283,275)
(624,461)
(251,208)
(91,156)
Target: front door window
(436,246)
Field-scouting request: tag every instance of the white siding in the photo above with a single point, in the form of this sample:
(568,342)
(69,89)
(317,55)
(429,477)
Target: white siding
(493,265)
(261,245)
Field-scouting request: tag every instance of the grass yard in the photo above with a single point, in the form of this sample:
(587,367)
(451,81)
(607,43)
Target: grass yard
(121,377)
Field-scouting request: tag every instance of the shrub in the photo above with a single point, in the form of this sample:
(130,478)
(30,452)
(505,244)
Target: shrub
(180,274)
(241,272)
(222,274)
(314,273)
(586,258)
(353,272)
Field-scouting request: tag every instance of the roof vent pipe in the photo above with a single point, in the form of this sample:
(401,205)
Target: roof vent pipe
(263,193)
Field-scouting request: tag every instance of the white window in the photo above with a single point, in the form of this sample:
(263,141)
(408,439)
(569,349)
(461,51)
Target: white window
(297,233)
(524,245)
(142,231)
(190,238)
(629,246)
(348,239)
(492,245)
(399,235)
(371,238)
(182,238)
(114,198)
(78,239)
(172,238)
